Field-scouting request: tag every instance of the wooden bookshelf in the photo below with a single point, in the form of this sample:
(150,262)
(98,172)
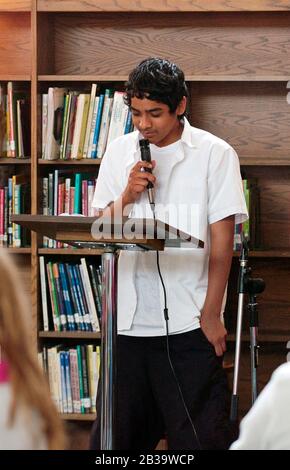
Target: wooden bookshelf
(19,251)
(15,6)
(266,254)
(78,416)
(83,161)
(235,55)
(14,161)
(87,335)
(70,251)
(161,5)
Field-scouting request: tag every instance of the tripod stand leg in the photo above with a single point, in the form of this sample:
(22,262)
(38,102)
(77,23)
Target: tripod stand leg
(234,403)
(254,362)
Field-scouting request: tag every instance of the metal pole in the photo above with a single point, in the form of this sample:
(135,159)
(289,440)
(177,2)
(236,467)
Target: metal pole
(242,281)
(234,403)
(253,321)
(108,348)
(254,362)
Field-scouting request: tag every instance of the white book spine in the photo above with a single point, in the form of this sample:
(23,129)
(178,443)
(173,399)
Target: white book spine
(108,102)
(89,295)
(44,123)
(118,117)
(43,293)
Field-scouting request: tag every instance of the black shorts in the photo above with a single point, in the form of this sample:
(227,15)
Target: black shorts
(149,405)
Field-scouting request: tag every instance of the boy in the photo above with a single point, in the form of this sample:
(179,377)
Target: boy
(177,386)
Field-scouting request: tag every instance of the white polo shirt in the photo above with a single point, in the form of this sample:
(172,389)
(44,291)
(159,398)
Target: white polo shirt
(200,184)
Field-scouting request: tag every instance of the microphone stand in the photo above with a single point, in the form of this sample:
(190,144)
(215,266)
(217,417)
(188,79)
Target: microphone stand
(251,286)
(255,286)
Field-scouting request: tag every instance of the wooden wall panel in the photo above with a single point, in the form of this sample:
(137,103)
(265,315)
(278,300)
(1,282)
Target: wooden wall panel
(273,303)
(15,41)
(45,44)
(252,117)
(274,205)
(207,44)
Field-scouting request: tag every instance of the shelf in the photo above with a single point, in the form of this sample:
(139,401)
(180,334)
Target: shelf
(262,338)
(254,161)
(82,78)
(14,78)
(70,251)
(69,335)
(266,254)
(15,6)
(188,78)
(78,416)
(18,251)
(82,161)
(14,161)
(160,5)
(237,78)
(98,251)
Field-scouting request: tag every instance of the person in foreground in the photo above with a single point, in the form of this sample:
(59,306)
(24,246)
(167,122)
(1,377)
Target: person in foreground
(177,388)
(267,424)
(28,419)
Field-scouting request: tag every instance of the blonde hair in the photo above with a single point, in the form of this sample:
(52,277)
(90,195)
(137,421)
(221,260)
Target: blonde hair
(28,383)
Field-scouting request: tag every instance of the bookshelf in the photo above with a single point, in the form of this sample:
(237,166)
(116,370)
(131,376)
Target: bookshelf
(236,59)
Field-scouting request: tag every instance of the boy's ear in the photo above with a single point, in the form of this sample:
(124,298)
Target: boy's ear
(182,106)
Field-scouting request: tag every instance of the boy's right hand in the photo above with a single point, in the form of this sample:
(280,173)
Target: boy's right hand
(138,181)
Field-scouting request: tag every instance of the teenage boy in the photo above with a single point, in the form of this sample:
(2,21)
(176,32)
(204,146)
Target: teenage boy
(178,389)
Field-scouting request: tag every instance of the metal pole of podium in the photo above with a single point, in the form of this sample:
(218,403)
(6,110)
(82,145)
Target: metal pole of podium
(108,348)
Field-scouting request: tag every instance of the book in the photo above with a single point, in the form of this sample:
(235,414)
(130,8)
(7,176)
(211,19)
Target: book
(43,293)
(55,104)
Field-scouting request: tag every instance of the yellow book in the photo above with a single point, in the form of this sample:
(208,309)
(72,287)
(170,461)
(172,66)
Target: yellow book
(83,126)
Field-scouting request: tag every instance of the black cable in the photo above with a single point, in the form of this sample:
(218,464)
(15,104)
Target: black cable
(165,311)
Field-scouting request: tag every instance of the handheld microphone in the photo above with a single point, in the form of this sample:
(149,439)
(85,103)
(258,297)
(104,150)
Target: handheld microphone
(146,157)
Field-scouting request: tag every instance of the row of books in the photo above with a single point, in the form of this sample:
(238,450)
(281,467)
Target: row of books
(71,295)
(250,228)
(64,193)
(79,125)
(73,375)
(14,199)
(14,123)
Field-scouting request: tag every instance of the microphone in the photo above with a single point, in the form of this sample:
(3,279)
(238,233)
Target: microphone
(146,157)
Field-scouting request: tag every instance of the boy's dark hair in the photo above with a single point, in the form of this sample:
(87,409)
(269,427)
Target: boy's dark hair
(158,80)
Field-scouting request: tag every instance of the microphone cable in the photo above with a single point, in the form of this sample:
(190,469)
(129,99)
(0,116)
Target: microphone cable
(165,311)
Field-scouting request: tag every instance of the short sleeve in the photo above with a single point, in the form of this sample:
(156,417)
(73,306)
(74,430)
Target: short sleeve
(108,187)
(225,189)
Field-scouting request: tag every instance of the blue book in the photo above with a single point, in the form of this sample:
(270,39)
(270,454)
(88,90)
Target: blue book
(77,307)
(97,127)
(63,382)
(82,297)
(59,297)
(67,299)
(78,194)
(68,382)
(128,123)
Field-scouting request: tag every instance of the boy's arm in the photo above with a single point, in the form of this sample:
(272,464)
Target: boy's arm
(221,251)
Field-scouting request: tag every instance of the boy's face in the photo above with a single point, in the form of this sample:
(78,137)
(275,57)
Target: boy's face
(155,121)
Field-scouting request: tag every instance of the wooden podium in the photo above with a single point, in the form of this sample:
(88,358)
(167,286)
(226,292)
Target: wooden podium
(123,234)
